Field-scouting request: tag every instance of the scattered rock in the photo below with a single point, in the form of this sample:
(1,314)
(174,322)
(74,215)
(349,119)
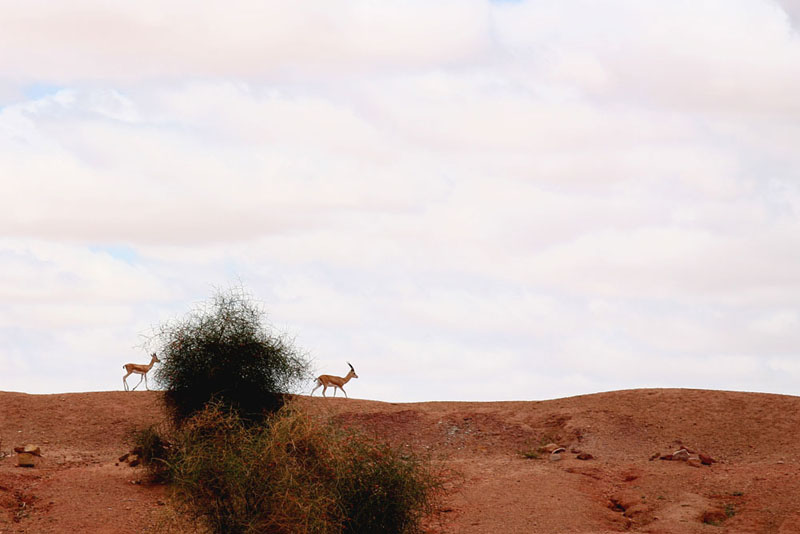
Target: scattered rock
(559,450)
(706,460)
(29,449)
(681,455)
(132,458)
(555,456)
(654,456)
(686,455)
(549,448)
(26,459)
(585,456)
(26,456)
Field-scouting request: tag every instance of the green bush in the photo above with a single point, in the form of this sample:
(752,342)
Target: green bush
(296,474)
(225,352)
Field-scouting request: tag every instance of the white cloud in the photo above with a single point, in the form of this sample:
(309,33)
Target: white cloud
(125,43)
(531,195)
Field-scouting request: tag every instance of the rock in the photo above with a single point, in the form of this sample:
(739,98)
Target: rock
(681,455)
(555,456)
(29,449)
(133,460)
(666,457)
(559,450)
(124,457)
(26,459)
(549,448)
(654,456)
(694,462)
(585,456)
(706,460)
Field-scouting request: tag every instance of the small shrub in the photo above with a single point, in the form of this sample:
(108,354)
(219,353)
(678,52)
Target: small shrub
(531,455)
(714,517)
(153,450)
(296,474)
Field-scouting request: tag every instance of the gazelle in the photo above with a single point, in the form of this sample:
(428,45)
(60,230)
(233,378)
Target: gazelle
(139,369)
(326,381)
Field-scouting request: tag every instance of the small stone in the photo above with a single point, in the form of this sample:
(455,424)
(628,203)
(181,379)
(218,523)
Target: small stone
(555,457)
(549,448)
(33,449)
(706,460)
(30,449)
(694,462)
(585,456)
(681,455)
(25,459)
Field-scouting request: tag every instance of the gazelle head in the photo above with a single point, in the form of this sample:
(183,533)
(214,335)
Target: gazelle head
(155,358)
(352,371)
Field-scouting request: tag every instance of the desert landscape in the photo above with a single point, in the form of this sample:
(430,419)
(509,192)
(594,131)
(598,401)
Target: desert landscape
(503,477)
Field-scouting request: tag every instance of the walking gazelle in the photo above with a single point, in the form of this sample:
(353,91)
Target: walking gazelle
(326,381)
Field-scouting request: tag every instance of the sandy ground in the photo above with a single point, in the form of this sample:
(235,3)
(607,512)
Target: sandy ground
(78,484)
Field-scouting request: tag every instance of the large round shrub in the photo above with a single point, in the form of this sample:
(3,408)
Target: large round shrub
(224,351)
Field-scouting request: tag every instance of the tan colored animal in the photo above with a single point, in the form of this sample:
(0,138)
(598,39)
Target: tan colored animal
(326,381)
(139,369)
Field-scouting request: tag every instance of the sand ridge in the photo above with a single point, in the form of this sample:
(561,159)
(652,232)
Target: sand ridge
(754,486)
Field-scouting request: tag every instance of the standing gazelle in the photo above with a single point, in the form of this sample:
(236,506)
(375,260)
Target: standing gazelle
(139,369)
(336,381)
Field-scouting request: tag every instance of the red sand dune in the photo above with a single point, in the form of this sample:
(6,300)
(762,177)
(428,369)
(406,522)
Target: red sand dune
(754,487)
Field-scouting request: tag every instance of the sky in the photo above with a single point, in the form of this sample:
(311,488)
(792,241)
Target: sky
(467,200)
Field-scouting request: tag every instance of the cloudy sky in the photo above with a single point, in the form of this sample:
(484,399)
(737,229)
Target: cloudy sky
(468,200)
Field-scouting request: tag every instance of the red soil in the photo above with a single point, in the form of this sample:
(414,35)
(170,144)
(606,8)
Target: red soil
(78,486)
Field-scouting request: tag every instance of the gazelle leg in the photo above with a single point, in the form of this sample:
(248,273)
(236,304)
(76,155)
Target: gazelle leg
(315,389)
(137,384)
(125,382)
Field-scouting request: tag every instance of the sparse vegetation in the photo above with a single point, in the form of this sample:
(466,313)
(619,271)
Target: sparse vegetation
(294,473)
(225,352)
